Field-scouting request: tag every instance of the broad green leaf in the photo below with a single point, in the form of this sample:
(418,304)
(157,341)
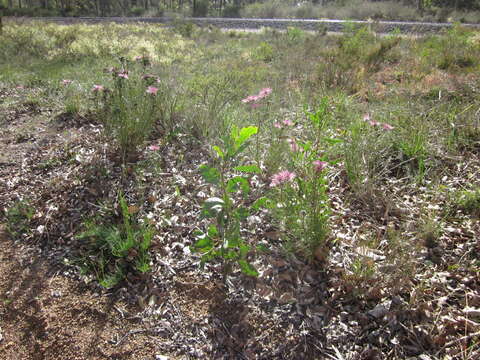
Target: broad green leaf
(245,134)
(212,231)
(242,213)
(237,183)
(203,245)
(249,169)
(247,268)
(210,174)
(219,151)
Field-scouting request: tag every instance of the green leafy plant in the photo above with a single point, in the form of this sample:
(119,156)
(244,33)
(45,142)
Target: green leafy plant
(222,239)
(129,110)
(115,249)
(467,201)
(302,205)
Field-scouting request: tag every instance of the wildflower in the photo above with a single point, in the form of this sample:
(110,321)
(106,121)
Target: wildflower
(152,90)
(277,125)
(319,165)
(387,127)
(97,88)
(250,99)
(288,122)
(374,123)
(282,177)
(138,58)
(66,82)
(123,75)
(293,145)
(265,92)
(154,147)
(366,117)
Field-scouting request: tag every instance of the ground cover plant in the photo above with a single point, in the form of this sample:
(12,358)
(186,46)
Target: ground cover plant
(197,193)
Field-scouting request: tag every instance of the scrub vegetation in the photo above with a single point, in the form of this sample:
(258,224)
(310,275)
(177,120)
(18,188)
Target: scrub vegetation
(260,195)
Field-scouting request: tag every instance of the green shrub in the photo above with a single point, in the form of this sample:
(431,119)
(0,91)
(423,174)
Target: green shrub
(264,52)
(129,109)
(137,11)
(467,201)
(455,50)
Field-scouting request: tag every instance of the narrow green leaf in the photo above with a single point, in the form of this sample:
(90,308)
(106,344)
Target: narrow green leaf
(247,268)
(219,151)
(249,169)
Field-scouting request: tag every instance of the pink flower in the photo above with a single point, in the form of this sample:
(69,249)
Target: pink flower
(293,145)
(277,125)
(319,165)
(288,122)
(265,92)
(152,90)
(154,147)
(387,127)
(250,99)
(374,123)
(66,82)
(366,117)
(282,177)
(123,75)
(97,88)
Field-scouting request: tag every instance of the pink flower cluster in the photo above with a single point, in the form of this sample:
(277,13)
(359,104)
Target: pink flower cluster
(293,145)
(123,75)
(282,177)
(98,88)
(154,147)
(152,90)
(254,98)
(318,165)
(286,122)
(66,82)
(385,126)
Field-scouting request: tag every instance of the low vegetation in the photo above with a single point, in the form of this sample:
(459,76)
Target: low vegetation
(338,174)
